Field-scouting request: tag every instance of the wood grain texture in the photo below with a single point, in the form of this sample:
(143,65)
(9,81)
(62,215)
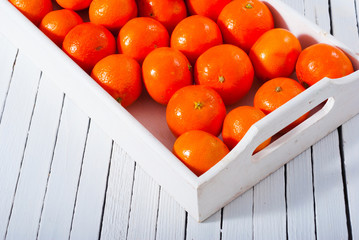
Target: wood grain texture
(92,187)
(144,207)
(210,229)
(36,164)
(61,191)
(328,189)
(14,130)
(118,195)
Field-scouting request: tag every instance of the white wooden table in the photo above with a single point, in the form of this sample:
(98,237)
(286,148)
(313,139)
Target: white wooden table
(61,177)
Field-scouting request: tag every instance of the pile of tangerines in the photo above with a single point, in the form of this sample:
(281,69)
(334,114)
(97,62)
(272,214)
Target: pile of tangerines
(195,56)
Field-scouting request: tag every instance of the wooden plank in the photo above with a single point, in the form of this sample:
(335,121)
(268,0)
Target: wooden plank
(92,187)
(328,189)
(300,203)
(36,164)
(210,229)
(144,207)
(118,195)
(269,216)
(13,132)
(318,12)
(238,218)
(65,172)
(171,218)
(351,157)
(7,60)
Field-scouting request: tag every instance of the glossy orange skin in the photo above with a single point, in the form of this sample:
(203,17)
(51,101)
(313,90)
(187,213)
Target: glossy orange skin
(169,12)
(56,24)
(242,22)
(112,14)
(120,76)
(237,123)
(322,60)
(88,43)
(275,54)
(199,150)
(194,35)
(74,4)
(210,9)
(140,36)
(164,71)
(276,92)
(195,107)
(34,10)
(227,69)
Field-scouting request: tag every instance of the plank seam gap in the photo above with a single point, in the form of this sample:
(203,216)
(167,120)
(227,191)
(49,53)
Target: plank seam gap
(344,178)
(285,199)
(23,155)
(185,226)
(8,87)
(52,159)
(78,181)
(158,209)
(356,15)
(330,17)
(132,187)
(314,206)
(106,189)
(221,225)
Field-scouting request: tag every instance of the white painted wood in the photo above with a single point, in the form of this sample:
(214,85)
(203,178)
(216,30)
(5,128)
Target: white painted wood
(37,159)
(328,189)
(317,11)
(63,180)
(8,53)
(144,207)
(210,229)
(13,132)
(351,157)
(171,219)
(118,195)
(269,215)
(300,201)
(238,218)
(92,187)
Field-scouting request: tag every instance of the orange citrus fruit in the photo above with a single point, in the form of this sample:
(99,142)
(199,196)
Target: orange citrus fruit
(169,12)
(199,150)
(74,4)
(195,107)
(194,35)
(120,76)
(237,123)
(56,24)
(139,36)
(242,22)
(34,10)
(275,54)
(165,70)
(322,60)
(88,43)
(210,9)
(112,14)
(227,69)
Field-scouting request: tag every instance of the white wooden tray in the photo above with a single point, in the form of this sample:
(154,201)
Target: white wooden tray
(142,131)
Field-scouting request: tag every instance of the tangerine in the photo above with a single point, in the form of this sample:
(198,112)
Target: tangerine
(112,14)
(139,36)
(237,123)
(34,10)
(56,24)
(88,43)
(210,9)
(227,69)
(169,12)
(274,93)
(120,76)
(165,70)
(195,107)
(275,54)
(74,4)
(322,60)
(194,35)
(199,150)
(242,22)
